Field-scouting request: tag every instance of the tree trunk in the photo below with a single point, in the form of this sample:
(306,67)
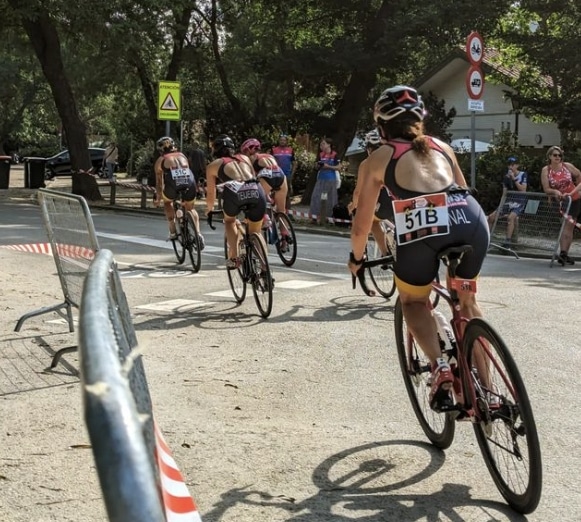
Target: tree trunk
(44,38)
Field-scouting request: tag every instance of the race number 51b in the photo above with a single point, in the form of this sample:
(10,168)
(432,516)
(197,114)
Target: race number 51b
(419,217)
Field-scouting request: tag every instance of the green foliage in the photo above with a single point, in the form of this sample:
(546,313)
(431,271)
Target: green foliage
(143,159)
(305,166)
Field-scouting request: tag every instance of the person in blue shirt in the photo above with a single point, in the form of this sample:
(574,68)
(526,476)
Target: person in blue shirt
(328,180)
(514,180)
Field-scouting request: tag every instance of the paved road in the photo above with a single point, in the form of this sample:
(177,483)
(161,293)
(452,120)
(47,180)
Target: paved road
(302,417)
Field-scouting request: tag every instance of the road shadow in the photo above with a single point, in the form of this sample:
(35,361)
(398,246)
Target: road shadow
(362,482)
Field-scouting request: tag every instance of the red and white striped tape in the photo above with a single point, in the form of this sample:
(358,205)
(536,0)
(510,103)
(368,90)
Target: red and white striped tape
(178,503)
(72,251)
(314,216)
(136,186)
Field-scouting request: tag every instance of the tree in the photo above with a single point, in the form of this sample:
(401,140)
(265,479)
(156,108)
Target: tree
(44,38)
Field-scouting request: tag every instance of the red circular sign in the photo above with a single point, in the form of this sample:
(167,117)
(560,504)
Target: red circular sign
(475,82)
(475,48)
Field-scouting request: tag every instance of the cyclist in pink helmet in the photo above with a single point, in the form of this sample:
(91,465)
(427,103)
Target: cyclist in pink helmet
(268,172)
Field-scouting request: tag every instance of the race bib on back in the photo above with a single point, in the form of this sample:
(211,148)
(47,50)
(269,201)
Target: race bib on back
(182,176)
(421,217)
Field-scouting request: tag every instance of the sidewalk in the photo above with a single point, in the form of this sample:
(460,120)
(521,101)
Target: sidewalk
(128,198)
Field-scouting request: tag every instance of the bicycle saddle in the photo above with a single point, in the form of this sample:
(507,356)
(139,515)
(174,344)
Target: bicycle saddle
(454,252)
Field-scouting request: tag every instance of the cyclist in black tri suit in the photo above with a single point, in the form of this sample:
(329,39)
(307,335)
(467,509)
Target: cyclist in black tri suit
(433,209)
(383,209)
(241,192)
(268,172)
(172,176)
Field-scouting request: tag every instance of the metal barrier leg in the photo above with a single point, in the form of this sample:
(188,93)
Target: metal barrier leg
(56,308)
(57,356)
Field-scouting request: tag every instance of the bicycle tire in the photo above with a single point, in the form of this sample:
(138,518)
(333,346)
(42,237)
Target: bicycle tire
(192,243)
(381,275)
(505,420)
(236,277)
(178,243)
(260,276)
(283,224)
(416,370)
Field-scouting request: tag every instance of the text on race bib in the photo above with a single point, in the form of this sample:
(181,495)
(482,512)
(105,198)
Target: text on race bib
(182,176)
(421,217)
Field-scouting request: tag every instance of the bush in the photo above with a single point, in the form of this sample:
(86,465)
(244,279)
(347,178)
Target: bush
(305,165)
(144,159)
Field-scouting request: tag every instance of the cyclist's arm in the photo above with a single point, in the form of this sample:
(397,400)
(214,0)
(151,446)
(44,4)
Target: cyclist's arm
(211,174)
(545,183)
(370,179)
(157,168)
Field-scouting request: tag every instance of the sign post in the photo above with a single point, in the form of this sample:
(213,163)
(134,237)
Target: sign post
(169,103)
(475,88)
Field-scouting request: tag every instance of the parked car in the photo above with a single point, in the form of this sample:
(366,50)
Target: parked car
(60,164)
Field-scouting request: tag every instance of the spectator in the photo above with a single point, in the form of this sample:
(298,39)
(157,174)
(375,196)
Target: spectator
(110,160)
(562,179)
(328,179)
(514,180)
(285,157)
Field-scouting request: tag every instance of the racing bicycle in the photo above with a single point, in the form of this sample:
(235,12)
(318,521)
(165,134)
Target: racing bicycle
(487,391)
(187,238)
(253,267)
(280,233)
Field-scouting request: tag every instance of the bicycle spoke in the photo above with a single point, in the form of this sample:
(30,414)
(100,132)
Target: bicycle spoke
(286,242)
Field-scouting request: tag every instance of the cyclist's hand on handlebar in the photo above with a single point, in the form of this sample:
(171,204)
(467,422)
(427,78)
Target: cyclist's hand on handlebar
(353,265)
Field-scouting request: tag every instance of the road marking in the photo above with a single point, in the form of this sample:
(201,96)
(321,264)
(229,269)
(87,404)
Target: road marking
(174,305)
(221,293)
(297,284)
(158,243)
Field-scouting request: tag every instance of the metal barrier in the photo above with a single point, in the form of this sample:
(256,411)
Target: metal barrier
(118,413)
(539,225)
(71,233)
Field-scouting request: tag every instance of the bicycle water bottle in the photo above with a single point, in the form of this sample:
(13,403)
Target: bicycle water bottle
(446,336)
(179,213)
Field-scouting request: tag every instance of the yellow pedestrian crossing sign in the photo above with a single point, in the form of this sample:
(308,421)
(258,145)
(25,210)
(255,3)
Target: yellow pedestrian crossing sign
(169,101)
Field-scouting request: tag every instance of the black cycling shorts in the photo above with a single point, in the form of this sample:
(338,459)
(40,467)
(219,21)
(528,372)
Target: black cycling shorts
(384,208)
(275,178)
(417,263)
(247,197)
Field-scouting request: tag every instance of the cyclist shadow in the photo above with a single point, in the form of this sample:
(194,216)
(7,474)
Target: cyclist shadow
(359,484)
(220,315)
(341,308)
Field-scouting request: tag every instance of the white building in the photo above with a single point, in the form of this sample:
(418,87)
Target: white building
(447,81)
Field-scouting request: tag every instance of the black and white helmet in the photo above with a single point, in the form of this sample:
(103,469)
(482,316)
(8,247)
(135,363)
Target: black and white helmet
(166,145)
(372,139)
(223,146)
(398,100)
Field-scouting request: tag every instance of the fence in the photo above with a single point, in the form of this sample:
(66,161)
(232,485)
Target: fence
(539,225)
(135,468)
(69,227)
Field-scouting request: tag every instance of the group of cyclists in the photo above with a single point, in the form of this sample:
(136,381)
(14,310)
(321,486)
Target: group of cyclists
(403,167)
(245,180)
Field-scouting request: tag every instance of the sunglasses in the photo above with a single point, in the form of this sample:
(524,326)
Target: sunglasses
(556,155)
(253,147)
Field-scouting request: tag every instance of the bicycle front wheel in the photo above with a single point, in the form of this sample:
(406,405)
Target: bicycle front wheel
(286,244)
(506,431)
(192,242)
(381,275)
(236,277)
(416,371)
(178,242)
(260,276)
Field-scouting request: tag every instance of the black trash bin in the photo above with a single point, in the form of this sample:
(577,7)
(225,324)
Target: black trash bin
(34,172)
(4,171)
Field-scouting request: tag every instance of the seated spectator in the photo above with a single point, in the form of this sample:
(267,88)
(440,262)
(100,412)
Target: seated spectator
(514,180)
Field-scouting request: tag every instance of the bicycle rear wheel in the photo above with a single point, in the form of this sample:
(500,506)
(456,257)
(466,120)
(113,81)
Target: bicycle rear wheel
(381,275)
(506,431)
(260,276)
(192,242)
(178,242)
(236,276)
(416,371)
(286,244)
